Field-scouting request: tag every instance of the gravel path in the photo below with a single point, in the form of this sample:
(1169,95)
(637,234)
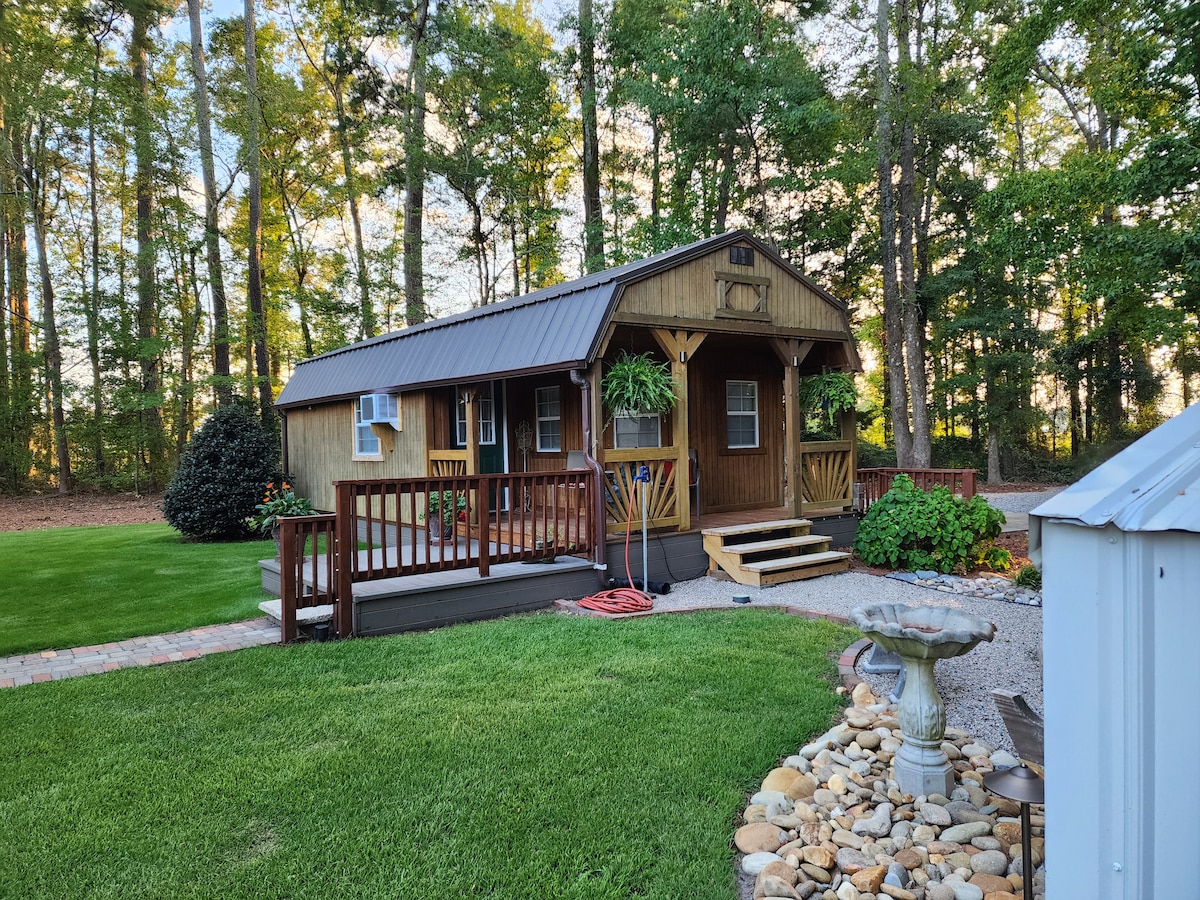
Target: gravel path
(1021,502)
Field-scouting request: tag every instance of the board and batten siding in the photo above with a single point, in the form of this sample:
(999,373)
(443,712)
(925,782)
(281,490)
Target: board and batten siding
(321,440)
(736,479)
(689,291)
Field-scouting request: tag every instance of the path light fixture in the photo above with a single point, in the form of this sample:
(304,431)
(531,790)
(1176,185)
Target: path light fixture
(1025,786)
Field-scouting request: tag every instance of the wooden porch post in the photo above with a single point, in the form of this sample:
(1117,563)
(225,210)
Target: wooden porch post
(791,353)
(849,432)
(679,347)
(471,395)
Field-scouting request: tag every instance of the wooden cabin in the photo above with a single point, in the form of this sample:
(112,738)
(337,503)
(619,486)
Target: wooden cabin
(514,388)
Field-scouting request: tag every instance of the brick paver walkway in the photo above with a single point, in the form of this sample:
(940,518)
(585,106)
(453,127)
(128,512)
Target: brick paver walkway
(53,665)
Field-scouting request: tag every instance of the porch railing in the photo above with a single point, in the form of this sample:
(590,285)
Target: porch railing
(307,547)
(877,482)
(621,499)
(827,468)
(387,528)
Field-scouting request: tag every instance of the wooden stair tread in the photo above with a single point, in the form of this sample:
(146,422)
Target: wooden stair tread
(776,544)
(751,528)
(795,562)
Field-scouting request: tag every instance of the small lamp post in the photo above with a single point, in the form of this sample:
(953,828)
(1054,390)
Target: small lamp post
(1025,786)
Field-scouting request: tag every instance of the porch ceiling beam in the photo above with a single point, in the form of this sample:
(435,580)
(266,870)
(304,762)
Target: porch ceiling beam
(731,326)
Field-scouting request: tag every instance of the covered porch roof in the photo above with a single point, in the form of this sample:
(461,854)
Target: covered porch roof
(551,330)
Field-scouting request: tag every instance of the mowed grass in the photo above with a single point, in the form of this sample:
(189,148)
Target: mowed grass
(70,587)
(539,756)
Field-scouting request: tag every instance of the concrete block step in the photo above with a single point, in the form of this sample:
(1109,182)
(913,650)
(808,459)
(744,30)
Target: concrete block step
(309,615)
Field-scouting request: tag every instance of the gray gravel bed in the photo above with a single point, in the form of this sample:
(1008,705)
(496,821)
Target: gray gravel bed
(1020,502)
(1010,661)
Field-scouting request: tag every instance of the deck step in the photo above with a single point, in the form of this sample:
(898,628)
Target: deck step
(795,562)
(764,553)
(788,543)
(756,527)
(794,568)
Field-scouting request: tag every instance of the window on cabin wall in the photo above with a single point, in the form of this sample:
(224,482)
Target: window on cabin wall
(549,419)
(635,432)
(486,404)
(741,414)
(366,442)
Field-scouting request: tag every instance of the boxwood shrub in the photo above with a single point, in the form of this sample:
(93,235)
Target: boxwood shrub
(909,528)
(221,476)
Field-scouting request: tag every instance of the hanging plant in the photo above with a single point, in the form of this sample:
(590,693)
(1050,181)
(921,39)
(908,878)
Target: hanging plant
(637,384)
(829,393)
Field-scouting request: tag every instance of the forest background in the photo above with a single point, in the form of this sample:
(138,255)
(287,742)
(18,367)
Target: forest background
(1003,193)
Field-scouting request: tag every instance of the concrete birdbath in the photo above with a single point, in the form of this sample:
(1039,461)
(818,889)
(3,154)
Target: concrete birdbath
(921,636)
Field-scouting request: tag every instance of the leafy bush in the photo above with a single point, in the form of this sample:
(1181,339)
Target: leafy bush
(221,476)
(910,528)
(1029,576)
(872,457)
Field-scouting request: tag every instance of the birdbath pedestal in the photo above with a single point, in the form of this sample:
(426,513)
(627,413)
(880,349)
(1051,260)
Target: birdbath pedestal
(921,636)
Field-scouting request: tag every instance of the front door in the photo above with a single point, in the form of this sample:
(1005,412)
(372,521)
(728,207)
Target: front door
(493,449)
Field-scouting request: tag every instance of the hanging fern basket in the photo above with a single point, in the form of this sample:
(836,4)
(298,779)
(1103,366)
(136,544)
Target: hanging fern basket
(637,384)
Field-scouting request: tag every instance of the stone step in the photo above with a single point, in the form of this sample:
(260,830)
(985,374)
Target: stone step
(309,615)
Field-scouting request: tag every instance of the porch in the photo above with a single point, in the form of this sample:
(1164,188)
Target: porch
(513,542)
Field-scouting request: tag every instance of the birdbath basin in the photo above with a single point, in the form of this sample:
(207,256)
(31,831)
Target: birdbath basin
(921,636)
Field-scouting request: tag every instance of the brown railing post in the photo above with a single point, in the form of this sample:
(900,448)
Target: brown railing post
(289,584)
(344,553)
(481,492)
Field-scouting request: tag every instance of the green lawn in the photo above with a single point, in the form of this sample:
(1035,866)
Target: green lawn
(68,587)
(537,756)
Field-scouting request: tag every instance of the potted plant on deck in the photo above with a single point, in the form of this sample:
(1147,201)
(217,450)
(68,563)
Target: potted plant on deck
(445,507)
(278,502)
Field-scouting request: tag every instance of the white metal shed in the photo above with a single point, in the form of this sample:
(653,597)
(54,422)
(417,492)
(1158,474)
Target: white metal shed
(1120,559)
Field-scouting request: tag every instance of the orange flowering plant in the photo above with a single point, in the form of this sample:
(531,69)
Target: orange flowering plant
(276,502)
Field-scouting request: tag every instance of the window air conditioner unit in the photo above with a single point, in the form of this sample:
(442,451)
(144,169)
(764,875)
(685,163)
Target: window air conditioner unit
(379,409)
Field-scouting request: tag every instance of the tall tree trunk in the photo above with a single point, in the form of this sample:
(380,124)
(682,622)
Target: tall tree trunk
(92,305)
(892,313)
(914,332)
(593,217)
(254,286)
(149,363)
(368,327)
(51,351)
(414,185)
(212,230)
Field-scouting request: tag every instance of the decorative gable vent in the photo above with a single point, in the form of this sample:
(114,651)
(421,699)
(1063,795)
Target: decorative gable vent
(381,409)
(741,256)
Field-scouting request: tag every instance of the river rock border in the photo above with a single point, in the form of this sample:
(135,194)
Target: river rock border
(830,823)
(986,587)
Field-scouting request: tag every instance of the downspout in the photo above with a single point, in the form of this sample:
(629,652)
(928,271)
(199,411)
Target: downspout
(599,533)
(283,442)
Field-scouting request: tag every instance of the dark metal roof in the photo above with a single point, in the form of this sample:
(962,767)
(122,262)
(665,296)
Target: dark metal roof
(553,329)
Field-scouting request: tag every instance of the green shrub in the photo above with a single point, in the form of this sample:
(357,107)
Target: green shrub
(1029,576)
(221,477)
(909,528)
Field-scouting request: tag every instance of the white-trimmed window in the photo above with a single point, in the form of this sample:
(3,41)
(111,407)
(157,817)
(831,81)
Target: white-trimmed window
(487,415)
(549,419)
(366,441)
(741,414)
(633,432)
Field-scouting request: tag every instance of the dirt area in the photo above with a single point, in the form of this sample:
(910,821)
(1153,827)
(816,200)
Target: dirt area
(55,511)
(1015,487)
